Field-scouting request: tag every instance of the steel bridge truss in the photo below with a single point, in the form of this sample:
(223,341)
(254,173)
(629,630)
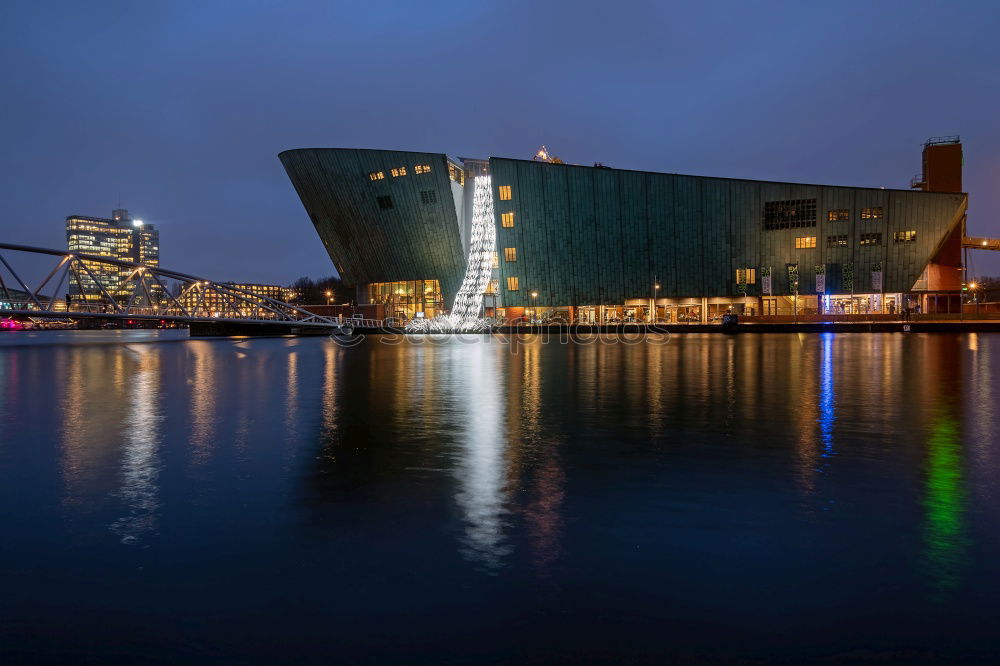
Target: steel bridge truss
(135,292)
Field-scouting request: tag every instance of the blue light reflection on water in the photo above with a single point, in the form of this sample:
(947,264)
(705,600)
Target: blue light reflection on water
(827,399)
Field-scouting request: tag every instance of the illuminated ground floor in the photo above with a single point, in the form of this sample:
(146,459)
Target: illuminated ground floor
(711,310)
(406,300)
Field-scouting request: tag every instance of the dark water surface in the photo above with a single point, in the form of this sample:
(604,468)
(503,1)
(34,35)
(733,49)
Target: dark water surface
(781,497)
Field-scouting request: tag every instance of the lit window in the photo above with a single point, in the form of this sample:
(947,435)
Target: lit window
(904,236)
(456,174)
(377,175)
(871,239)
(837,215)
(492,287)
(510,254)
(805,242)
(512,284)
(496,260)
(384,202)
(746,276)
(871,213)
(428,197)
(507,220)
(422,168)
(396,173)
(839,240)
(505,193)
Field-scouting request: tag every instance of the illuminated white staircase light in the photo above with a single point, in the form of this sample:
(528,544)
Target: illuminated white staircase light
(466,313)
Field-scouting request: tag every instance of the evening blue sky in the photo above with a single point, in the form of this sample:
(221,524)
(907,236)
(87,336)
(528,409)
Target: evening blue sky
(181,108)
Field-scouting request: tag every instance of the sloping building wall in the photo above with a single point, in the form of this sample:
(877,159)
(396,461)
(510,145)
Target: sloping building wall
(382,228)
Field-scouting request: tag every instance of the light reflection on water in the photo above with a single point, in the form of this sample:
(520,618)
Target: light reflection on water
(641,480)
(140,464)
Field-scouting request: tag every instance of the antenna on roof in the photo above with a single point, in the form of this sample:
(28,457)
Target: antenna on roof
(543,155)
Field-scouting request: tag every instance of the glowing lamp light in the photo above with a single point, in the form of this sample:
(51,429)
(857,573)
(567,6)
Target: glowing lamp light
(972,285)
(136,223)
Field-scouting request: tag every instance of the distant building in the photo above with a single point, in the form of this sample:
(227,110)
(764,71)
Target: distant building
(118,237)
(203,299)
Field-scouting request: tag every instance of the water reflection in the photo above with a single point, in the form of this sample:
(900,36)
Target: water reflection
(140,466)
(944,503)
(203,411)
(480,468)
(542,514)
(292,389)
(827,398)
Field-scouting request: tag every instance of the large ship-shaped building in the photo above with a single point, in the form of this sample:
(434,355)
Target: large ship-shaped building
(599,245)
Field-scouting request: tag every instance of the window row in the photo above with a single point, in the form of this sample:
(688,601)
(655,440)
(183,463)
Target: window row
(426,197)
(746,276)
(843,214)
(399,171)
(841,240)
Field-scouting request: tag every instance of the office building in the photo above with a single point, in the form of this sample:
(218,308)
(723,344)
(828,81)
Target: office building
(118,237)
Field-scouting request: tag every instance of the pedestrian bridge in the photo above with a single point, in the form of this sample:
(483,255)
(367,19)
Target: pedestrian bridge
(81,286)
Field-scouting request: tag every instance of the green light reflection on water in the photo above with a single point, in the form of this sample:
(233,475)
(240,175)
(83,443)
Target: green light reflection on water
(944,505)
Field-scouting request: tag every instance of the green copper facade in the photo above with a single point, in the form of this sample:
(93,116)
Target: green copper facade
(380,227)
(595,236)
(583,236)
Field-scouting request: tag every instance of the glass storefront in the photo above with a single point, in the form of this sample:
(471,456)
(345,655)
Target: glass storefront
(403,300)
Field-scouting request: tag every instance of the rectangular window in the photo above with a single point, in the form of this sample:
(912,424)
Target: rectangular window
(421,168)
(492,287)
(746,275)
(456,174)
(496,260)
(384,202)
(837,215)
(512,284)
(805,242)
(840,240)
(871,239)
(510,254)
(507,220)
(904,236)
(871,213)
(428,197)
(376,175)
(505,193)
(792,214)
(396,173)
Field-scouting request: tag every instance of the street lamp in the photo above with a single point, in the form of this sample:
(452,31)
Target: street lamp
(534,306)
(329,294)
(652,303)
